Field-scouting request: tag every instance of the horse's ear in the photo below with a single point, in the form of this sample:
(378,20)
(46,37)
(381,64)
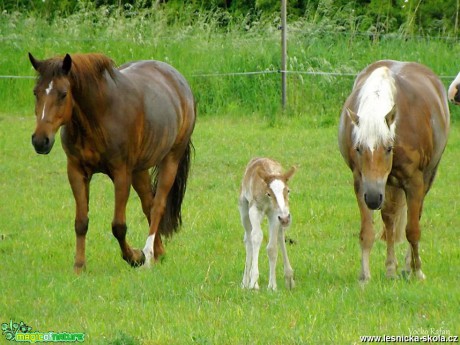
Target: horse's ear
(264,176)
(391,116)
(290,173)
(35,63)
(353,116)
(66,64)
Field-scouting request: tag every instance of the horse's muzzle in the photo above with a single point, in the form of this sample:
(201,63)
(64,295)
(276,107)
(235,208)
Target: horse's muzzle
(285,221)
(374,195)
(42,144)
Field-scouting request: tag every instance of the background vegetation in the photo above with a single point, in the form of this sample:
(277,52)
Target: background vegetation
(193,296)
(377,16)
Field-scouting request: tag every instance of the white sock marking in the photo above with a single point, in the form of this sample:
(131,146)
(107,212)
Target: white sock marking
(148,250)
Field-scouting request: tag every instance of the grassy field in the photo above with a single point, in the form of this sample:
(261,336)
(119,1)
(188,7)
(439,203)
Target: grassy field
(194,295)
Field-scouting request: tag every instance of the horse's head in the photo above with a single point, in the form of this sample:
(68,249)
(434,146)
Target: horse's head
(278,192)
(454,90)
(53,100)
(373,147)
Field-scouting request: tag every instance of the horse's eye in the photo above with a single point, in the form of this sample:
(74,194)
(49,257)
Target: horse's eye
(268,194)
(62,95)
(358,149)
(389,149)
(289,191)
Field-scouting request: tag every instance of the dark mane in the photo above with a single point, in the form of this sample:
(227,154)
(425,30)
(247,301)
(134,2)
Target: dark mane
(88,69)
(87,79)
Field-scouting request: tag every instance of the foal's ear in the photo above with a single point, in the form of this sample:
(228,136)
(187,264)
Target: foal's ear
(391,116)
(290,173)
(66,64)
(35,63)
(353,116)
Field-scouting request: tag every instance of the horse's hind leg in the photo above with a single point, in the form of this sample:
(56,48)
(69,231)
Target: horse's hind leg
(393,216)
(143,187)
(122,182)
(167,173)
(79,183)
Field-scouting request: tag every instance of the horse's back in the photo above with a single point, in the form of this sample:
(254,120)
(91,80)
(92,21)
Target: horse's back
(166,102)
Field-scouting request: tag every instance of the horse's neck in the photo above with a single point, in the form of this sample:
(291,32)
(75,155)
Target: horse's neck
(85,125)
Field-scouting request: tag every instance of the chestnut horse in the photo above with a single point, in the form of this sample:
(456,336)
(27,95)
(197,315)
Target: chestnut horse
(133,123)
(393,131)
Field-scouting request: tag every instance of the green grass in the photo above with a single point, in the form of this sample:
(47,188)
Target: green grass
(194,295)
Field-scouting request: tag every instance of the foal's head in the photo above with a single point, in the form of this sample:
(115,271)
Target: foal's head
(278,192)
(53,100)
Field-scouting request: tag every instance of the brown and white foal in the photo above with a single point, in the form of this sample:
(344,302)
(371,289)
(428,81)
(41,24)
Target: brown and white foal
(264,192)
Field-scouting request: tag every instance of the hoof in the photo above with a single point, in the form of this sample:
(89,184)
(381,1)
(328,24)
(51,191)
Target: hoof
(78,268)
(290,283)
(137,259)
(392,275)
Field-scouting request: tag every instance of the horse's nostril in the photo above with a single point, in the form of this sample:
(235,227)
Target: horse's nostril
(46,141)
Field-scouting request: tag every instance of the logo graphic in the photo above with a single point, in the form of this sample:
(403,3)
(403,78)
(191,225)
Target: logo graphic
(21,332)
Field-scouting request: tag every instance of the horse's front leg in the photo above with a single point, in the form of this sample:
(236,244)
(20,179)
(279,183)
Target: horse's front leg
(366,235)
(272,249)
(288,271)
(122,183)
(243,206)
(79,183)
(255,216)
(415,194)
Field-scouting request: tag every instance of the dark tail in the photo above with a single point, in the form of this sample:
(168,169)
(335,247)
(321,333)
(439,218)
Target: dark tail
(172,219)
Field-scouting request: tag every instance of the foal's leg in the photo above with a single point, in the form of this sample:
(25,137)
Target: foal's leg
(166,176)
(288,271)
(255,217)
(272,249)
(415,193)
(143,186)
(79,183)
(366,236)
(243,206)
(122,182)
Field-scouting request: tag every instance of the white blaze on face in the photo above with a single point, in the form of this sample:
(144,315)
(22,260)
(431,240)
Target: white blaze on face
(47,91)
(277,186)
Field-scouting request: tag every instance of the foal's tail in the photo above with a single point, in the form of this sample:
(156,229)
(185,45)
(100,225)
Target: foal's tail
(172,219)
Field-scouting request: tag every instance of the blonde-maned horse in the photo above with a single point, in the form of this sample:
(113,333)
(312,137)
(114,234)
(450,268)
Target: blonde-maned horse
(393,131)
(264,192)
(454,91)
